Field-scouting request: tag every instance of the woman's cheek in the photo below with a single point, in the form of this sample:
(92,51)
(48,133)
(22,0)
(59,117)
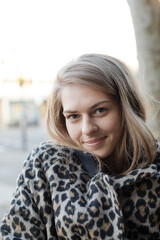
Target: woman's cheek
(72,130)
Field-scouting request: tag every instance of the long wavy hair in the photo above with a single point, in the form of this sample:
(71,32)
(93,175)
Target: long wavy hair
(113,77)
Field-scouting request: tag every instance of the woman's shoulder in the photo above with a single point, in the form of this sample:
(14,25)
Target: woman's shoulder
(41,160)
(51,148)
(48,154)
(45,154)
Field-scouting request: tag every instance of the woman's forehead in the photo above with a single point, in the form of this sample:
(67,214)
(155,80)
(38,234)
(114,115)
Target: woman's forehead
(79,96)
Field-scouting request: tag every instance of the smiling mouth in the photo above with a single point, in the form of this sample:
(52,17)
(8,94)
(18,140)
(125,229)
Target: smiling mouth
(95,142)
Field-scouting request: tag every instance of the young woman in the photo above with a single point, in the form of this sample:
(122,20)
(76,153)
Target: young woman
(99,176)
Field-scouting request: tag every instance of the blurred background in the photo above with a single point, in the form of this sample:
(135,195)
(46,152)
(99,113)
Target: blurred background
(36,39)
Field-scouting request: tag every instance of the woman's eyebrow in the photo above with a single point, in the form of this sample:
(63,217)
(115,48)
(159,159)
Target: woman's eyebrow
(93,106)
(99,103)
(70,111)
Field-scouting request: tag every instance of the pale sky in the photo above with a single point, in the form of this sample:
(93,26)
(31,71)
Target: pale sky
(38,37)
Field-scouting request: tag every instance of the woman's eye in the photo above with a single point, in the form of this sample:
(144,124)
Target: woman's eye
(73,116)
(100,110)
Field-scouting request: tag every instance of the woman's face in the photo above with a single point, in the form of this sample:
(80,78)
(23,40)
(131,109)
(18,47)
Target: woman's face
(92,119)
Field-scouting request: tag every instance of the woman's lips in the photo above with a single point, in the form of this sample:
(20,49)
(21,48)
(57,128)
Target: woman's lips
(94,142)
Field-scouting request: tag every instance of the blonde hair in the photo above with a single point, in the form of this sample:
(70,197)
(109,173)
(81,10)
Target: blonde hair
(113,77)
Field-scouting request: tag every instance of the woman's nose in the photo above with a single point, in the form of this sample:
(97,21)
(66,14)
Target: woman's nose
(88,126)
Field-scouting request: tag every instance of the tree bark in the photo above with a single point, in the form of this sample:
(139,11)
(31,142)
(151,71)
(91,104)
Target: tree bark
(146,20)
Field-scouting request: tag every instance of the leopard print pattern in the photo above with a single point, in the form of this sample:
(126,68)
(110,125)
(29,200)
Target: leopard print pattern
(57,198)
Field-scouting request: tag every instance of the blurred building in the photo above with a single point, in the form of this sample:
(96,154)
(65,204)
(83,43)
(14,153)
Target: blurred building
(23,100)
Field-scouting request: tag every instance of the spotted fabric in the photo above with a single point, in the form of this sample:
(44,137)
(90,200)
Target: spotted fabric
(63,195)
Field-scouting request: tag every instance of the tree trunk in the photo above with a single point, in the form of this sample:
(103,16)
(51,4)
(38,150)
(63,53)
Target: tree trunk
(146,20)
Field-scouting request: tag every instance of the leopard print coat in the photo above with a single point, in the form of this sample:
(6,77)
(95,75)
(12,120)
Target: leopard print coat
(62,195)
